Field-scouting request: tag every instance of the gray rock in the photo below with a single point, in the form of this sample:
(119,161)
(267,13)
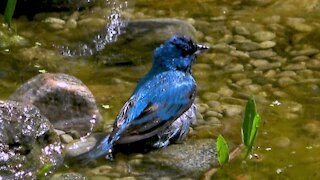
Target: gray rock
(143,36)
(66,138)
(263,36)
(63,99)
(197,157)
(27,141)
(262,54)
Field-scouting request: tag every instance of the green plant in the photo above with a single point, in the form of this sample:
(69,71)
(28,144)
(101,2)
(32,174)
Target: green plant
(42,172)
(8,13)
(222,150)
(250,125)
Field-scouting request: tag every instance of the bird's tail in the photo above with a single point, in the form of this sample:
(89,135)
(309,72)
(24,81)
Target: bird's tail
(102,148)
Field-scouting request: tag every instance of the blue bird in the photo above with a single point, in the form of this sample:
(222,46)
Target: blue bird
(162,105)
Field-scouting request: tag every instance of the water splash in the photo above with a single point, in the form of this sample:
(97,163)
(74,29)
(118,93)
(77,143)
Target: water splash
(108,35)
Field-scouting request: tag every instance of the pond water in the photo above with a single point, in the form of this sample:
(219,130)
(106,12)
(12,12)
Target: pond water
(265,48)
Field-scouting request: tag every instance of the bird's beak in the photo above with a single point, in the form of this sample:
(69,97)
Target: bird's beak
(201,49)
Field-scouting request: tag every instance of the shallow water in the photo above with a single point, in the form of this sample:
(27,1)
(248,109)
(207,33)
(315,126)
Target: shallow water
(287,95)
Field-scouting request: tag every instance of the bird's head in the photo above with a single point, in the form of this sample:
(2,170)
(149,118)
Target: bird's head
(178,53)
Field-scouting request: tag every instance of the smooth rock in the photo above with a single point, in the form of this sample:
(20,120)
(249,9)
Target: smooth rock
(241,30)
(300,58)
(297,66)
(281,141)
(66,138)
(225,91)
(208,96)
(240,39)
(232,110)
(299,24)
(285,81)
(69,176)
(264,36)
(261,54)
(247,46)
(313,64)
(63,99)
(304,52)
(27,141)
(233,68)
(267,44)
(197,157)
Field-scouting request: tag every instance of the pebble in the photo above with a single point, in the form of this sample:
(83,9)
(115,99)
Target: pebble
(253,88)
(244,82)
(234,68)
(240,39)
(300,58)
(297,66)
(66,138)
(267,44)
(227,38)
(239,54)
(214,122)
(103,170)
(304,52)
(59,132)
(280,94)
(264,36)
(225,91)
(287,74)
(213,104)
(285,81)
(238,76)
(313,64)
(241,30)
(232,110)
(248,46)
(312,127)
(201,107)
(299,24)
(260,63)
(222,47)
(211,113)
(270,74)
(261,54)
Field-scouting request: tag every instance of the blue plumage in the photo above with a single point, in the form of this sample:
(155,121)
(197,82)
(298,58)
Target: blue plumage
(162,104)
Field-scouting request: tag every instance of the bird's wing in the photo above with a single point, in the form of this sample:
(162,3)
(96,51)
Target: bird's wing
(160,100)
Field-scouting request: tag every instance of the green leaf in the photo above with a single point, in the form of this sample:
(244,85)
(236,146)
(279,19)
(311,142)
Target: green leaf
(8,13)
(222,150)
(41,173)
(250,124)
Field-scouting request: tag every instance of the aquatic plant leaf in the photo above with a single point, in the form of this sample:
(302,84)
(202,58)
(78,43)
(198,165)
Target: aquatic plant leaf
(250,124)
(41,173)
(222,150)
(8,13)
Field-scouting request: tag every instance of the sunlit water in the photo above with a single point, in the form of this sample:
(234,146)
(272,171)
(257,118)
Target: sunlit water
(288,141)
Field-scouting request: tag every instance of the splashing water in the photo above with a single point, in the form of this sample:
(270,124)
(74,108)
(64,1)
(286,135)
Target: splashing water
(108,35)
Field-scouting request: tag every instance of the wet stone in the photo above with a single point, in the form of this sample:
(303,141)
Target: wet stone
(247,46)
(241,30)
(232,110)
(244,82)
(63,99)
(299,24)
(232,100)
(297,66)
(239,54)
(261,54)
(281,141)
(300,58)
(197,157)
(201,107)
(313,64)
(207,96)
(240,39)
(65,176)
(225,91)
(66,138)
(227,38)
(264,36)
(267,44)
(234,68)
(287,74)
(213,114)
(222,47)
(27,141)
(285,81)
(213,104)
